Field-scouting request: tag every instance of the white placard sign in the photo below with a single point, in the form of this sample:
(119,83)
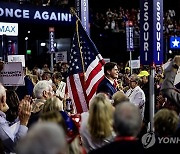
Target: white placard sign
(9,29)
(107,60)
(17,58)
(12,74)
(61,56)
(135,64)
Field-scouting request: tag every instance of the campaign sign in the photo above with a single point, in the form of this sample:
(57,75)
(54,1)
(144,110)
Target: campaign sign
(174,42)
(12,74)
(151,32)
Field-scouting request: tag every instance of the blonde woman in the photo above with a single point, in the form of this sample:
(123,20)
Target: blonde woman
(52,104)
(50,111)
(96,126)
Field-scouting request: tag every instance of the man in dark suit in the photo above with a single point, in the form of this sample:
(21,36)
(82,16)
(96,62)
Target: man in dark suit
(110,75)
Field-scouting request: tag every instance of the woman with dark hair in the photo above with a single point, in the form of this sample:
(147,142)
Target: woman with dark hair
(13,102)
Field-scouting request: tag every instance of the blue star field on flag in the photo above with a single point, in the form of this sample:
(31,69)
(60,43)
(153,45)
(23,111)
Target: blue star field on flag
(89,51)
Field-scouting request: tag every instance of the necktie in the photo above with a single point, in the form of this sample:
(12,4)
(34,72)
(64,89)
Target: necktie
(115,84)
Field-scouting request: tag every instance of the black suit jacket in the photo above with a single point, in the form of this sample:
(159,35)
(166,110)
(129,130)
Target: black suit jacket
(168,89)
(120,147)
(105,86)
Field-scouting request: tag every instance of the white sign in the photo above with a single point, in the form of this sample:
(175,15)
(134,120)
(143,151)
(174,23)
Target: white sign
(135,64)
(61,56)
(17,58)
(12,74)
(9,29)
(107,60)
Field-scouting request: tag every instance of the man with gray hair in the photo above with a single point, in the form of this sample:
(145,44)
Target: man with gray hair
(127,125)
(127,119)
(42,91)
(43,138)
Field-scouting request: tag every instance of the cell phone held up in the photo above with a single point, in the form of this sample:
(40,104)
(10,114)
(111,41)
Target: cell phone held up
(68,105)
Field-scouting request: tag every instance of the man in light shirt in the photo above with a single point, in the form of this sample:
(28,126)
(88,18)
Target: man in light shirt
(60,85)
(136,94)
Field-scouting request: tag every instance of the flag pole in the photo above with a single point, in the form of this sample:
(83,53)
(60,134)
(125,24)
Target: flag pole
(73,12)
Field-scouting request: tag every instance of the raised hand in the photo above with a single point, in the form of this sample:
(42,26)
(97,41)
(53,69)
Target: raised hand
(24,111)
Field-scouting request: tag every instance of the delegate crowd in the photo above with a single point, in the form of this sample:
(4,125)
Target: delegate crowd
(36,118)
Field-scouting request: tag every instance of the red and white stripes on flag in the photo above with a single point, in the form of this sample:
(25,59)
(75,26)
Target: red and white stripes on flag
(82,87)
(85,69)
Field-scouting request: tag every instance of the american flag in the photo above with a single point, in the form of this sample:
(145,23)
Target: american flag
(85,71)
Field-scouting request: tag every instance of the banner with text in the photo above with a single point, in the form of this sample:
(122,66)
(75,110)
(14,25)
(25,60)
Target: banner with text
(129,36)
(151,32)
(9,29)
(51,40)
(14,12)
(83,13)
